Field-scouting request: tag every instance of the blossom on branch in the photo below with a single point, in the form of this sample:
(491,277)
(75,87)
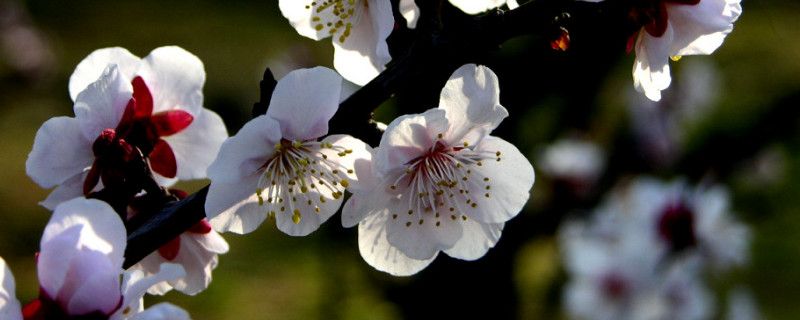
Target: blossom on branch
(675,28)
(79,267)
(125,105)
(276,166)
(439,182)
(358,28)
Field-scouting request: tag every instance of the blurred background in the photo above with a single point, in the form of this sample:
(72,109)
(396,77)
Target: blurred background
(731,117)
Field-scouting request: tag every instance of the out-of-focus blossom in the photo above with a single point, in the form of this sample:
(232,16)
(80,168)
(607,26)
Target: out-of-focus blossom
(576,163)
(196,250)
(276,167)
(675,28)
(9,305)
(80,263)
(439,182)
(153,104)
(742,305)
(359,29)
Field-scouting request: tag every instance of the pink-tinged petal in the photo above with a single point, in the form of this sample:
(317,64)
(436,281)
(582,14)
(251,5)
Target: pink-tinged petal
(171,122)
(303,102)
(407,138)
(9,305)
(103,103)
(54,259)
(68,190)
(91,284)
(364,53)
(143,98)
(234,206)
(508,186)
(197,146)
(359,153)
(478,238)
(162,311)
(175,78)
(701,28)
(162,159)
(380,254)
(420,235)
(90,69)
(477,6)
(244,153)
(471,99)
(651,68)
(60,152)
(364,200)
(135,284)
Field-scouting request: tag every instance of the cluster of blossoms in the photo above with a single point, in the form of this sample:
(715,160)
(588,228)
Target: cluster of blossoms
(644,251)
(437,182)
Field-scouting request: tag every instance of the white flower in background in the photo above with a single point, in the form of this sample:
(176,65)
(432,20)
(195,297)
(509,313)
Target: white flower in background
(742,305)
(80,263)
(358,28)
(196,250)
(675,28)
(9,305)
(277,167)
(577,162)
(439,182)
(154,104)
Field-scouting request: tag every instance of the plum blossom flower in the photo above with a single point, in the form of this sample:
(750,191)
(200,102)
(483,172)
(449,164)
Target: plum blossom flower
(9,305)
(439,182)
(573,163)
(123,102)
(80,263)
(675,28)
(359,29)
(196,250)
(277,167)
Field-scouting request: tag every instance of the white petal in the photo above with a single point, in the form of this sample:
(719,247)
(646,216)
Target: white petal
(196,258)
(510,182)
(364,54)
(407,138)
(9,305)
(197,146)
(101,105)
(175,78)
(472,100)
(60,152)
(309,221)
(477,6)
(244,153)
(651,68)
(410,12)
(304,101)
(234,206)
(90,69)
(701,28)
(477,239)
(135,284)
(162,311)
(301,18)
(367,195)
(420,235)
(91,284)
(380,254)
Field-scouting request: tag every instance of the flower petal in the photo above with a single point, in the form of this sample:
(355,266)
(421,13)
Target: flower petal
(234,206)
(162,311)
(175,78)
(67,190)
(410,12)
(701,28)
(477,6)
(102,104)
(365,53)
(472,100)
(510,182)
(420,235)
(135,284)
(91,67)
(408,137)
(478,238)
(60,152)
(92,284)
(651,68)
(304,101)
(9,305)
(380,254)
(244,153)
(301,15)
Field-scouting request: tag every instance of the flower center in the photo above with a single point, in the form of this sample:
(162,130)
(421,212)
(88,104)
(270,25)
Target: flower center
(614,286)
(337,16)
(301,177)
(444,183)
(676,226)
